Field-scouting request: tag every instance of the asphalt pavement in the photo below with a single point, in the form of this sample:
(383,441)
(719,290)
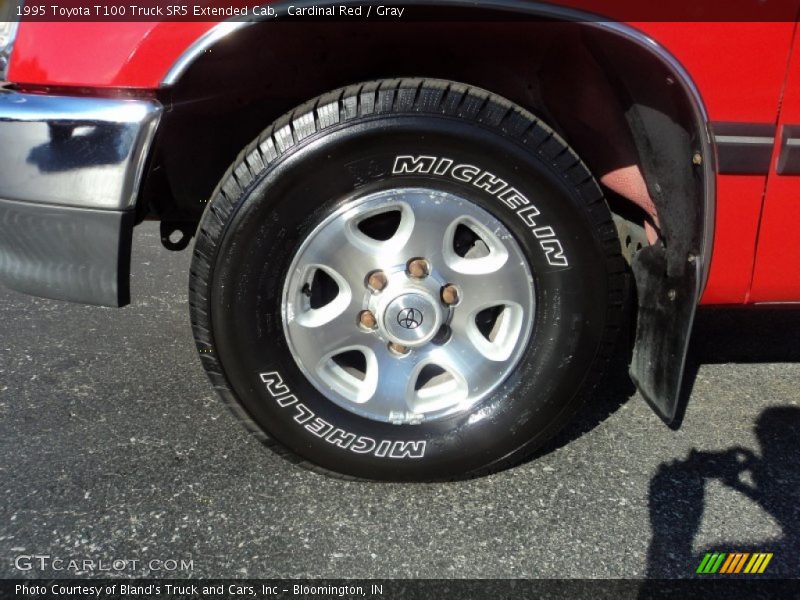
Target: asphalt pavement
(114,446)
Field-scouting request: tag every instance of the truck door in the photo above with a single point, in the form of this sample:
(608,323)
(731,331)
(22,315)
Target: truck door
(776,276)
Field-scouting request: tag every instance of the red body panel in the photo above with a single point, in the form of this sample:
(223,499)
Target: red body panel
(738,67)
(132,55)
(738,208)
(777,270)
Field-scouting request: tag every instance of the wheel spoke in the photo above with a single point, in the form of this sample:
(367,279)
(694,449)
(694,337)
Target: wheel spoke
(395,389)
(506,325)
(318,341)
(354,262)
(355,254)
(434,218)
(461,356)
(500,287)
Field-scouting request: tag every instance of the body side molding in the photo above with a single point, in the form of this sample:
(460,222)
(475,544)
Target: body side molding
(789,158)
(744,148)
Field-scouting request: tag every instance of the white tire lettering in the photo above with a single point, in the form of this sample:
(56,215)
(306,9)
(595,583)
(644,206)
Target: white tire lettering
(465,173)
(383,448)
(363,445)
(273,383)
(286,400)
(319,427)
(544,232)
(513,199)
(407,449)
(554,252)
(490,183)
(527,214)
(341,438)
(303,413)
(497,187)
(411,164)
(442,166)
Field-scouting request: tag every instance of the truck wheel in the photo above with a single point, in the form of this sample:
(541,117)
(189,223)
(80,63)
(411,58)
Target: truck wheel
(406,280)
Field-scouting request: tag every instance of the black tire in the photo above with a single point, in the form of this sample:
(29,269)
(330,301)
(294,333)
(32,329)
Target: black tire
(341,144)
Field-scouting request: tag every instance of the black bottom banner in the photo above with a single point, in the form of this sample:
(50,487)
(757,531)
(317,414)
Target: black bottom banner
(375,589)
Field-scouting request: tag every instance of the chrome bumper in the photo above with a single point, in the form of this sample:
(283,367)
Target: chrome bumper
(70,170)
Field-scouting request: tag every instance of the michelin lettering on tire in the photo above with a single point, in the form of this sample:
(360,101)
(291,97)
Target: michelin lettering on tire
(337,436)
(497,187)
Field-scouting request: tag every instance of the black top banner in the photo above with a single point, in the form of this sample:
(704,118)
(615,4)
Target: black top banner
(414,10)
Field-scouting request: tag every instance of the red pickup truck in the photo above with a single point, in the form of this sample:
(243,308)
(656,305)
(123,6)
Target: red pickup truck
(414,237)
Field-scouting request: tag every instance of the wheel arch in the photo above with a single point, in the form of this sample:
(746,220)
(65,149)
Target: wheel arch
(663,108)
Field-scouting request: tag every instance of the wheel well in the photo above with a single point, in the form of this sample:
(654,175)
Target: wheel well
(238,84)
(231,93)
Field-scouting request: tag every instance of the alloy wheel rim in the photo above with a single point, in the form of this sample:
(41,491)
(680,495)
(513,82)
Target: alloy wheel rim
(408,305)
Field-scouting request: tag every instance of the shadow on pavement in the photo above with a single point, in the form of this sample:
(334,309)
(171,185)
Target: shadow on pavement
(767,477)
(746,335)
(739,335)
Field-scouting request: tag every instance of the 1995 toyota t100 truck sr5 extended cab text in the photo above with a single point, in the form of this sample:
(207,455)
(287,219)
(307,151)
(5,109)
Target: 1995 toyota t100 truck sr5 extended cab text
(414,241)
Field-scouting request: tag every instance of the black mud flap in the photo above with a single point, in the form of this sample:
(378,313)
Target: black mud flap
(667,306)
(670,130)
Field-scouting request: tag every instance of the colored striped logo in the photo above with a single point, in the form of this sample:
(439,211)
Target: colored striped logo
(734,563)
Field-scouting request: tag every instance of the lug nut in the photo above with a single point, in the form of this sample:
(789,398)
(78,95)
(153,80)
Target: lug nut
(450,294)
(398,348)
(376,281)
(367,319)
(418,268)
